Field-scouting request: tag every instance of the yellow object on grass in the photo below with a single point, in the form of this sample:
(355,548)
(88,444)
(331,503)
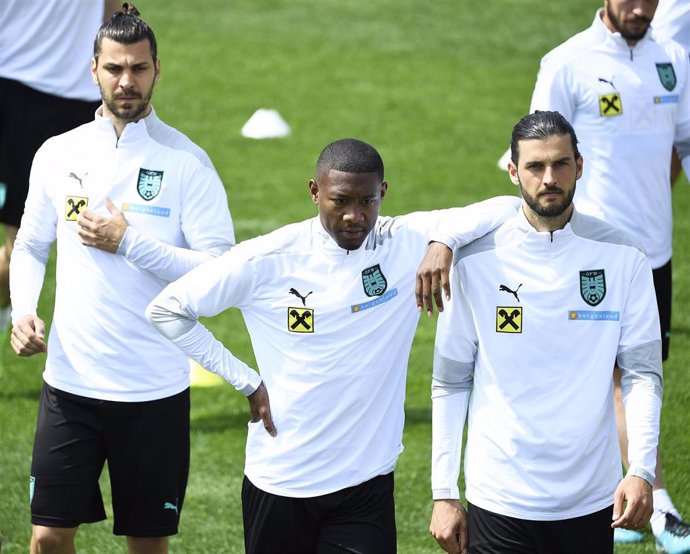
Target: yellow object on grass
(201,377)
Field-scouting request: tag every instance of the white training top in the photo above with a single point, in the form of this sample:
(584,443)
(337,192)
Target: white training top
(534,328)
(48,45)
(672,20)
(100,344)
(626,105)
(331,330)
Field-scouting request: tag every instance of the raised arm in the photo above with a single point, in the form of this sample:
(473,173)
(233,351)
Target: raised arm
(456,229)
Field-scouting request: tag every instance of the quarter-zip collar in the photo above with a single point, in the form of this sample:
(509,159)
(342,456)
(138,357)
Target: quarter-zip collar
(325,241)
(544,240)
(616,41)
(131,135)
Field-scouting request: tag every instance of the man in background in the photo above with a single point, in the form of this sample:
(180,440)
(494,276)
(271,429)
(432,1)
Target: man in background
(45,89)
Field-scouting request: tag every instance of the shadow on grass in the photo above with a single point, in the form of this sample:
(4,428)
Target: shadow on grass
(220,422)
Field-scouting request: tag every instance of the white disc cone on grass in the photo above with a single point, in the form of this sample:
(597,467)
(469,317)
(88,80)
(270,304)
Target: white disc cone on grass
(503,160)
(265,124)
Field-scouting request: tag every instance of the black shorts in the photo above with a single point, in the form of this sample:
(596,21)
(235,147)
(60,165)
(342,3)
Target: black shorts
(146,445)
(358,519)
(27,119)
(491,533)
(662,286)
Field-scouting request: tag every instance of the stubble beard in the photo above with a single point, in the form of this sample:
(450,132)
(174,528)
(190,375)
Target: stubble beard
(126,114)
(625,33)
(551,209)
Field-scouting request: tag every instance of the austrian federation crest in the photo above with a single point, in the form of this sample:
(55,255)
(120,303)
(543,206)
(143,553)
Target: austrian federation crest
(374,281)
(667,75)
(593,286)
(149,183)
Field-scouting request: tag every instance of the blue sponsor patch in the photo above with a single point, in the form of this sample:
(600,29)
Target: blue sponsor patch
(667,99)
(380,300)
(593,315)
(146,210)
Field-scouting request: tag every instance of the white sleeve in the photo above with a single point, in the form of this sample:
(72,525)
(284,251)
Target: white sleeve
(210,288)
(454,352)
(639,358)
(164,260)
(36,234)
(681,139)
(460,226)
(554,90)
(206,224)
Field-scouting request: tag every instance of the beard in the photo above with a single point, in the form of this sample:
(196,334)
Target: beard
(137,106)
(553,209)
(626,33)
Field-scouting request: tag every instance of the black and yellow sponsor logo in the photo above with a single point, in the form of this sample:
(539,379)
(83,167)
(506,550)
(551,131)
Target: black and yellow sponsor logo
(610,104)
(74,205)
(509,319)
(300,320)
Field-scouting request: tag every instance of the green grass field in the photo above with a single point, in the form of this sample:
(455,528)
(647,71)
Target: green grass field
(436,87)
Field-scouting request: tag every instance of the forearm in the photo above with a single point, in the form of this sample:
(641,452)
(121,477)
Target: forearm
(642,393)
(27,272)
(461,226)
(449,409)
(197,342)
(164,260)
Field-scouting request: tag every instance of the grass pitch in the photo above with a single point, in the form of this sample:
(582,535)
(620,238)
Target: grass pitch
(436,87)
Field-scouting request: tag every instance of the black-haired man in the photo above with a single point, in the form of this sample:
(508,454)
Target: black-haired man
(133,204)
(332,357)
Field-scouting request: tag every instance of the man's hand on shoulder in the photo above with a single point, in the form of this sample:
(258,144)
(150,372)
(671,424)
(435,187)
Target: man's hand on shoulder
(102,232)
(433,278)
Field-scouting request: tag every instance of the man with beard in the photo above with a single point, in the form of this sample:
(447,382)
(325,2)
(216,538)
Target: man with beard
(543,307)
(133,204)
(45,89)
(626,91)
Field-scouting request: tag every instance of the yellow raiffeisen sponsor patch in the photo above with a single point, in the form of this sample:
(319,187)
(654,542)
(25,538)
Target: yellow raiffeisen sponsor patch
(610,104)
(509,319)
(300,320)
(74,205)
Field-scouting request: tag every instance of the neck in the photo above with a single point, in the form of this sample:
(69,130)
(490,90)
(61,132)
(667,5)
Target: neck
(120,123)
(547,224)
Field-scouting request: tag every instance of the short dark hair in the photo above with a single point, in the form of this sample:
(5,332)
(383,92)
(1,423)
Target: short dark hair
(126,27)
(350,155)
(541,125)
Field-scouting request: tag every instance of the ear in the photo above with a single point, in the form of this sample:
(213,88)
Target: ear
(94,67)
(579,163)
(314,190)
(384,188)
(513,172)
(158,70)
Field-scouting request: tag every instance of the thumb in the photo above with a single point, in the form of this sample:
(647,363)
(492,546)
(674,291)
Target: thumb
(618,499)
(40,328)
(112,208)
(268,422)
